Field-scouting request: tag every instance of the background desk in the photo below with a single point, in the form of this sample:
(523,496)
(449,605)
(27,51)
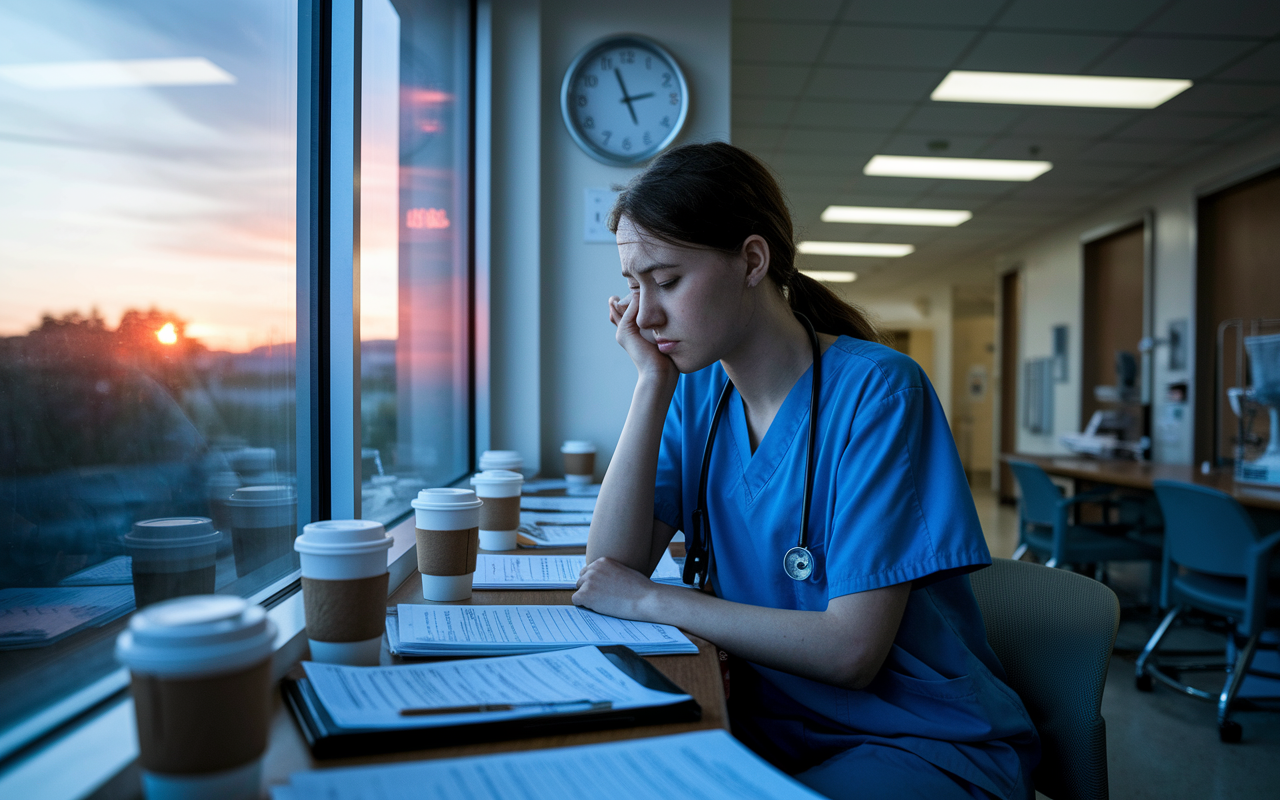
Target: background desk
(699,675)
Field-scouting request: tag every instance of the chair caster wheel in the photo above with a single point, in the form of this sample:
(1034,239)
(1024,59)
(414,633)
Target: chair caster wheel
(1143,683)
(1230,731)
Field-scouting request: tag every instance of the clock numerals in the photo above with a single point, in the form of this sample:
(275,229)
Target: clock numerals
(666,122)
(582,101)
(589,122)
(666,80)
(648,62)
(590,81)
(606,135)
(627,57)
(606,63)
(626,144)
(675,98)
(648,140)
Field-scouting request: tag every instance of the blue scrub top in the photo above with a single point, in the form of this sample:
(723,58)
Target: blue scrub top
(890,505)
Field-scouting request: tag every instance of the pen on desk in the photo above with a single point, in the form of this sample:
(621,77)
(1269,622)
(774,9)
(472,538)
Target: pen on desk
(483,708)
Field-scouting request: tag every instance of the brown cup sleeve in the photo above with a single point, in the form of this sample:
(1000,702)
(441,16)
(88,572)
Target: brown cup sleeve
(500,514)
(448,553)
(579,463)
(345,611)
(194,726)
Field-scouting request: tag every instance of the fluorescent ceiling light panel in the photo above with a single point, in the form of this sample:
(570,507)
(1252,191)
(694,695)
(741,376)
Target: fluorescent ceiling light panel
(1087,91)
(896,216)
(971,169)
(869,249)
(830,276)
(117,74)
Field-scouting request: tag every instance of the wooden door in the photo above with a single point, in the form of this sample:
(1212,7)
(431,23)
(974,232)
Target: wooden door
(1112,315)
(1010,319)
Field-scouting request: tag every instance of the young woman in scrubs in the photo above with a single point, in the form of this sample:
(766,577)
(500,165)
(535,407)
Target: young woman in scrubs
(871,677)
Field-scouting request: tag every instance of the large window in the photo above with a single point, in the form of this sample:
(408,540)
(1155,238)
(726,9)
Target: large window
(147,319)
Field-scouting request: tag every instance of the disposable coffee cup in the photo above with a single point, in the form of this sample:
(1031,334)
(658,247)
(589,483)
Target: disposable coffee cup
(448,529)
(344,589)
(256,465)
(579,462)
(220,487)
(263,524)
(500,514)
(201,670)
(501,459)
(172,557)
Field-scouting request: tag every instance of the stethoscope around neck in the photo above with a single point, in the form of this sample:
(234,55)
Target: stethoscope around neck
(798,561)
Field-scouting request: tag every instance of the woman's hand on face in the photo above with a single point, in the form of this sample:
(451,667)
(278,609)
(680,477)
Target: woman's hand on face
(608,587)
(636,341)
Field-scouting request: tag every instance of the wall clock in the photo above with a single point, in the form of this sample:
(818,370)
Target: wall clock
(624,99)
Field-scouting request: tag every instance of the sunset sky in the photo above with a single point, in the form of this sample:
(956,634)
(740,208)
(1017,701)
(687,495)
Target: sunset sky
(178,197)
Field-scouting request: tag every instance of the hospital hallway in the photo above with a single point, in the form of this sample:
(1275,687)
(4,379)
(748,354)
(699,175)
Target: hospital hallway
(1160,745)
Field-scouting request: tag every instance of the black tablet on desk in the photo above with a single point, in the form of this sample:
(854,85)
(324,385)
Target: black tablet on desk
(327,739)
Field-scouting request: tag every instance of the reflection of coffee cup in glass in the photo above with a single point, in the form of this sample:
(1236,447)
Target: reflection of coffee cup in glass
(220,487)
(263,525)
(256,465)
(202,695)
(172,557)
(500,514)
(344,589)
(579,462)
(448,531)
(501,459)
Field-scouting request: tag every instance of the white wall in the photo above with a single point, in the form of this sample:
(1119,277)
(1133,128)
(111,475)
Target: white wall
(925,307)
(556,372)
(1053,275)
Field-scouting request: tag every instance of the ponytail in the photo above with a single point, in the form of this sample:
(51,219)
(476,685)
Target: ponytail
(715,195)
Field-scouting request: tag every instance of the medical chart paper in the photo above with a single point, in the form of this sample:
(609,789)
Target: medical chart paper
(38,617)
(555,518)
(539,536)
(372,697)
(116,571)
(558,503)
(548,572)
(706,765)
(430,630)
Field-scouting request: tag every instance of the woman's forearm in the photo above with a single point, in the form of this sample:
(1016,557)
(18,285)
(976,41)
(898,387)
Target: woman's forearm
(622,525)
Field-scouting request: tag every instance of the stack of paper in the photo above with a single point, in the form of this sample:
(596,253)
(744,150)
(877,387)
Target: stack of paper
(116,571)
(549,572)
(39,617)
(563,682)
(544,536)
(423,630)
(580,504)
(707,765)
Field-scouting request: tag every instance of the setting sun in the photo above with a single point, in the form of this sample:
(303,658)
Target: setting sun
(167,334)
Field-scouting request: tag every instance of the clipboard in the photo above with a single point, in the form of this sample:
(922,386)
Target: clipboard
(327,739)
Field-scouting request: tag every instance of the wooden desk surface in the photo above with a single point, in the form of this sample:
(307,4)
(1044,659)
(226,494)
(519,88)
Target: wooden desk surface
(1142,474)
(698,675)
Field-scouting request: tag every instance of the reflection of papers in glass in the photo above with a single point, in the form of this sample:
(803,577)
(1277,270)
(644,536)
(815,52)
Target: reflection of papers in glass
(707,765)
(39,617)
(112,572)
(553,535)
(430,630)
(558,503)
(548,572)
(372,697)
(555,517)
(544,485)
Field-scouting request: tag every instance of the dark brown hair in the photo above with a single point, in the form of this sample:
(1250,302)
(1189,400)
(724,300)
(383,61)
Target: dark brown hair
(715,195)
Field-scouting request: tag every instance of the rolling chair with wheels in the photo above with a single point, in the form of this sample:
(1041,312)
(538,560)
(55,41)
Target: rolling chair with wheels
(1053,632)
(1214,560)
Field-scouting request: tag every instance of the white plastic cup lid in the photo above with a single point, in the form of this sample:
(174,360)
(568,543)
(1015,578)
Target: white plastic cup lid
(577,446)
(496,476)
(222,484)
(501,459)
(197,635)
(446,500)
(342,535)
(169,532)
(266,495)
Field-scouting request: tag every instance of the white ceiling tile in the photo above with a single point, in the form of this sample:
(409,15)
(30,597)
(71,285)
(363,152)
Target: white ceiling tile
(793,10)
(933,12)
(1072,122)
(1170,58)
(1246,129)
(953,118)
(1078,15)
(872,84)
(1161,125)
(773,80)
(1263,65)
(1003,51)
(1048,148)
(850,114)
(896,47)
(777,42)
(756,139)
(979,189)
(760,110)
(1112,151)
(879,185)
(852,144)
(789,162)
(918,144)
(1258,18)
(1226,98)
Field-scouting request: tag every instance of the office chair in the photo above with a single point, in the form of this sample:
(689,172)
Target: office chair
(1214,560)
(1045,527)
(1053,631)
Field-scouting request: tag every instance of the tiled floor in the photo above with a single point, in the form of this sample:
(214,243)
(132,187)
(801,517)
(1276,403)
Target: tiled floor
(1162,745)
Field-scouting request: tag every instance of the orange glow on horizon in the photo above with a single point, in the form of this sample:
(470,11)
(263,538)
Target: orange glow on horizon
(167,334)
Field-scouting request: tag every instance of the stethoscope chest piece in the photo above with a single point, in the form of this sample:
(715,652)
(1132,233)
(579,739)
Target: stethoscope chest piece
(798,563)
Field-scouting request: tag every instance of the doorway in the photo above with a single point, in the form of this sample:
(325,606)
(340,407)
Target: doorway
(1112,322)
(1010,320)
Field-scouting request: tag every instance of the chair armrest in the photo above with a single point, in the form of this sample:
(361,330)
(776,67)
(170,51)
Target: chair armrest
(1259,567)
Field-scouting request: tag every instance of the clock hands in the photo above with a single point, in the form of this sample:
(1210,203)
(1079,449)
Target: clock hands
(626,98)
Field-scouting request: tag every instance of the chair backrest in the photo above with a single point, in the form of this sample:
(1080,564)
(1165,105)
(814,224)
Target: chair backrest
(1039,494)
(1053,631)
(1205,530)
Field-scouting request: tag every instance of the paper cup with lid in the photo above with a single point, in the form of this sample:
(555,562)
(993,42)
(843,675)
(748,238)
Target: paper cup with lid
(172,557)
(579,462)
(263,524)
(344,589)
(201,681)
(501,459)
(500,514)
(447,523)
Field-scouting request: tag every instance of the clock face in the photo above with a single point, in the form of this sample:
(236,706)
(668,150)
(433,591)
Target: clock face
(624,99)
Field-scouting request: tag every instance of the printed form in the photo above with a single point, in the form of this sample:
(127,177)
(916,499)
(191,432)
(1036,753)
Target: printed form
(579,504)
(372,697)
(548,572)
